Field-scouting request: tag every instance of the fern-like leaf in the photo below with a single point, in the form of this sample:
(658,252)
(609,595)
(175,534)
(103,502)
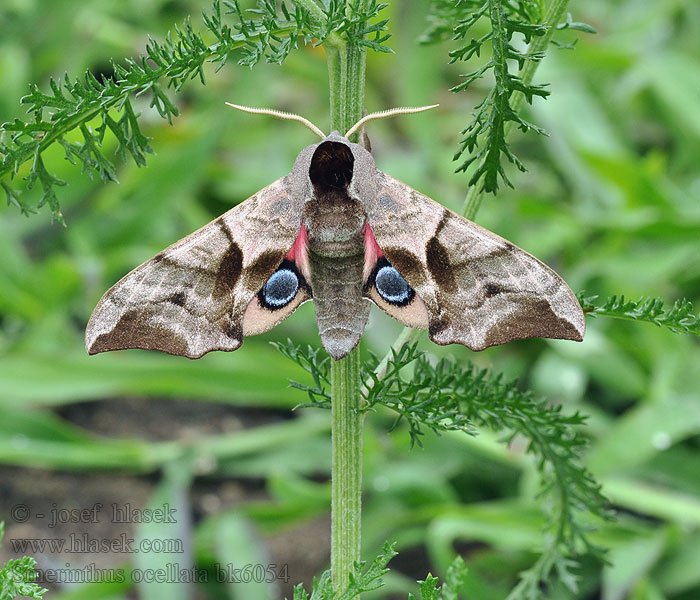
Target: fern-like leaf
(679,318)
(268,32)
(424,400)
(17,577)
(363,578)
(485,136)
(446,396)
(454,581)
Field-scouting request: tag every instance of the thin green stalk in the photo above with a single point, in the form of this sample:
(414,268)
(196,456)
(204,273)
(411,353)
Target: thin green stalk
(346,69)
(313,9)
(346,72)
(346,431)
(554,15)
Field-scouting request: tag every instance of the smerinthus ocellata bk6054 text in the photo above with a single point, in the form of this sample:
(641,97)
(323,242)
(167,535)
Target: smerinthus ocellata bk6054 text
(337,231)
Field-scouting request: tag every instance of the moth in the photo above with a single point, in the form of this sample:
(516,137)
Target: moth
(338,231)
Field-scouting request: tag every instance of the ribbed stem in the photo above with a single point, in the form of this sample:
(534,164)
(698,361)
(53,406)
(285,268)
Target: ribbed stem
(346,72)
(346,468)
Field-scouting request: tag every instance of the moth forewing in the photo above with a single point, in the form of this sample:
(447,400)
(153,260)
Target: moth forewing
(479,289)
(190,299)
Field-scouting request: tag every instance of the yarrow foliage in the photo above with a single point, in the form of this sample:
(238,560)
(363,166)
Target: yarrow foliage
(679,318)
(367,578)
(17,577)
(363,578)
(486,133)
(485,137)
(270,32)
(446,396)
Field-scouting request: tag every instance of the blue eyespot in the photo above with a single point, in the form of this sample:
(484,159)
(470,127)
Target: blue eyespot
(391,286)
(280,289)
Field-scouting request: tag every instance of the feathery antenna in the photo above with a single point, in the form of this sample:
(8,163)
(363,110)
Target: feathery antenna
(280,115)
(383,114)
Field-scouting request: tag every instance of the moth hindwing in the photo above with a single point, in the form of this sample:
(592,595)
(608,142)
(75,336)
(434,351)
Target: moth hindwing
(338,231)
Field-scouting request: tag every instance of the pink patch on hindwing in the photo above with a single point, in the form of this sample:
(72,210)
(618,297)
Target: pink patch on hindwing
(299,253)
(372,252)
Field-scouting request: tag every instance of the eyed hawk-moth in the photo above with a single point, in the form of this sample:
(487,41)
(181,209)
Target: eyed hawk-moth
(338,231)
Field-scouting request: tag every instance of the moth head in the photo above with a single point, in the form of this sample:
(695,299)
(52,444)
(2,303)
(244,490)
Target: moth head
(332,164)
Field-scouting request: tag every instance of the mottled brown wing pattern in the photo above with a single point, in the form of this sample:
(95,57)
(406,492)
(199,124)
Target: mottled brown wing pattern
(479,289)
(190,299)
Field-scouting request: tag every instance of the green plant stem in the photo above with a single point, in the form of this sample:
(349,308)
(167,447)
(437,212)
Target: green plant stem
(313,9)
(346,431)
(346,72)
(554,15)
(346,67)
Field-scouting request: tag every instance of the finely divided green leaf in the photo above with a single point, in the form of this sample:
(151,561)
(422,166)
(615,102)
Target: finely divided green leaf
(679,318)
(485,136)
(271,34)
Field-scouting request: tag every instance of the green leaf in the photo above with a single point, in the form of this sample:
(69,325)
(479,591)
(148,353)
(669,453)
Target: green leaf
(271,35)
(429,589)
(455,579)
(238,545)
(14,199)
(679,318)
(446,396)
(17,577)
(571,24)
(363,578)
(485,136)
(678,572)
(629,563)
(51,379)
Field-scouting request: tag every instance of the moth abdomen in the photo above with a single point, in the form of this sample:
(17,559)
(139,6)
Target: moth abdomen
(335,226)
(341,310)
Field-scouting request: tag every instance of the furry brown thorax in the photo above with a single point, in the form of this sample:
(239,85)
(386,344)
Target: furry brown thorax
(334,221)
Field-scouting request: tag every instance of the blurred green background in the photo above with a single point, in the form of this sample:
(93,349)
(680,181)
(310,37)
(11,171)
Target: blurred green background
(611,201)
